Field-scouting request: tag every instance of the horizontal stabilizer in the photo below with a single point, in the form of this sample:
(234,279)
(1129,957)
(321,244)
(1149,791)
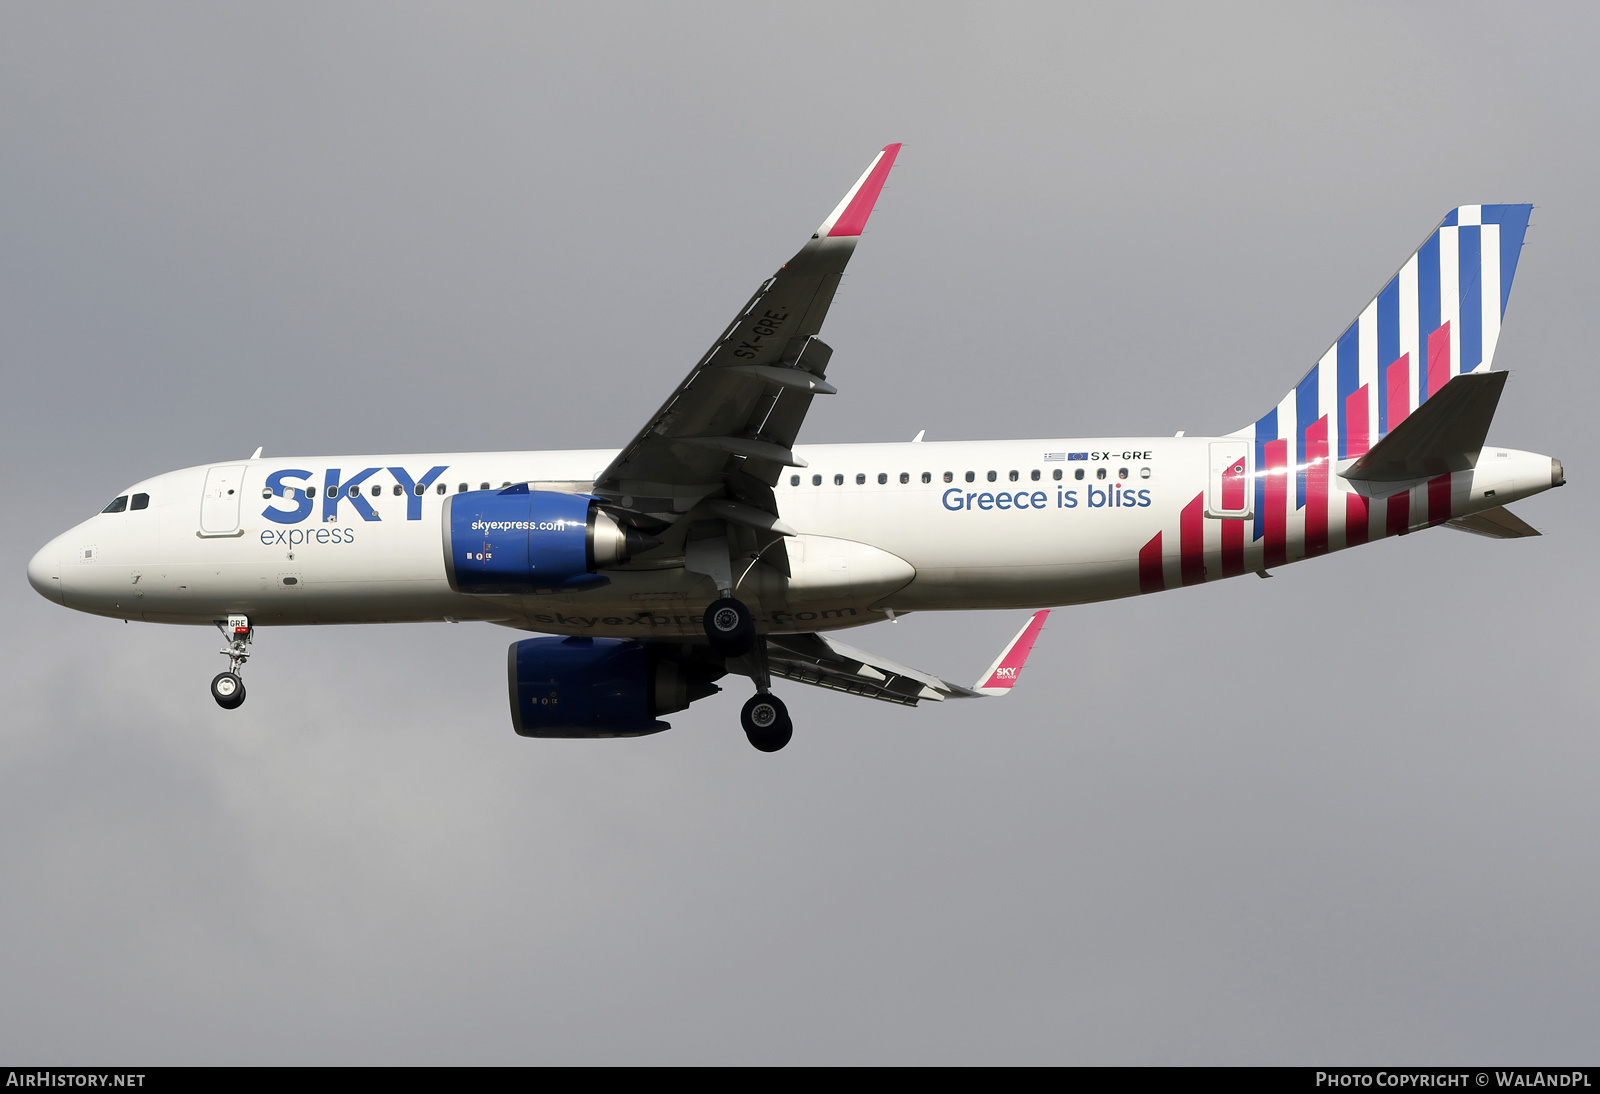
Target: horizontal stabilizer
(1496,523)
(1443,434)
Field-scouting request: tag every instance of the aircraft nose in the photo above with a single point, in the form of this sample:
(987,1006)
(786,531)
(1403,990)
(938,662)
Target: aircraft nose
(44,571)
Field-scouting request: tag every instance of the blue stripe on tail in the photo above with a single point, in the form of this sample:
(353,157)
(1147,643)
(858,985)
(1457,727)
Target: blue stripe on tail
(1513,221)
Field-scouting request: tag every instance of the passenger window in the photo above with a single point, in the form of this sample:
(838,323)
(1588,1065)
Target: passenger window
(882,478)
(1035,475)
(861,480)
(794,480)
(1144,472)
(971,475)
(816,480)
(483,486)
(443,489)
(904,478)
(993,476)
(1122,472)
(838,480)
(1078,474)
(1056,474)
(949,476)
(1013,476)
(311,492)
(927,476)
(1099,472)
(461,488)
(419,488)
(354,491)
(266,495)
(504,485)
(117,505)
(377,491)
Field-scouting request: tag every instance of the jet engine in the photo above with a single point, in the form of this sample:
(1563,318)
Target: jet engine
(598,687)
(519,540)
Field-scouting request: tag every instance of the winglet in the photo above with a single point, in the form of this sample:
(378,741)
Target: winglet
(849,217)
(1002,675)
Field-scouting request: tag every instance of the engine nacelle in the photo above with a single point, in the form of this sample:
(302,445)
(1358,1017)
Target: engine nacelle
(521,541)
(597,687)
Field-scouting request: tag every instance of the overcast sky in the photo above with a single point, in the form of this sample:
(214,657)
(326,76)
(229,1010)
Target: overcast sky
(1345,815)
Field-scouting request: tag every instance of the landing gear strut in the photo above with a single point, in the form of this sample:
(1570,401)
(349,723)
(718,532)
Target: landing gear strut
(226,687)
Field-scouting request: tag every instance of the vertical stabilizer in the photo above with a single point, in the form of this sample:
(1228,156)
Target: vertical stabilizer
(1437,318)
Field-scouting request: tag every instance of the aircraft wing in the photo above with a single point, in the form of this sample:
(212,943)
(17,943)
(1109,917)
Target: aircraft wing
(829,663)
(728,430)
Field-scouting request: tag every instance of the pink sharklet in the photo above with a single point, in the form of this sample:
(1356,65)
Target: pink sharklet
(853,220)
(1005,674)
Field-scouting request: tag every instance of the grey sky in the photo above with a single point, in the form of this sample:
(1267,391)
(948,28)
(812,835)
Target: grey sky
(1344,815)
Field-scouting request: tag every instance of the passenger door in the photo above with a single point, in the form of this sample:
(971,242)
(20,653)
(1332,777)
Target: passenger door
(219,504)
(1228,492)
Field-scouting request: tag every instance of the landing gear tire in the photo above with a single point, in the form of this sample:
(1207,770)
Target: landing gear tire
(730,627)
(766,722)
(227,689)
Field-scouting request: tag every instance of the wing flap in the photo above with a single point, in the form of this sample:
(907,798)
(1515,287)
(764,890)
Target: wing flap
(823,662)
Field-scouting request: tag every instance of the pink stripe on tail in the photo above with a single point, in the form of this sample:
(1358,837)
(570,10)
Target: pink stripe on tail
(1397,396)
(1151,579)
(1275,521)
(1233,487)
(1191,541)
(1317,487)
(1358,438)
(1438,361)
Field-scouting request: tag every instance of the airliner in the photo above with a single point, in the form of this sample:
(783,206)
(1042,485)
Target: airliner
(713,544)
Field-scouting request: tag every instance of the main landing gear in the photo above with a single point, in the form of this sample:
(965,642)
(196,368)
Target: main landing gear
(226,687)
(732,631)
(730,627)
(766,721)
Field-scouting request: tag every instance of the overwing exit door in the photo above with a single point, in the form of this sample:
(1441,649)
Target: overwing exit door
(219,505)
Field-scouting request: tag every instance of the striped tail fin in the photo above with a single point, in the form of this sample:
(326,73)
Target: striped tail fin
(1437,318)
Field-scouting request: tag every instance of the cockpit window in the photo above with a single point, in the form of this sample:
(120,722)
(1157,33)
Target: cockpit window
(140,501)
(117,506)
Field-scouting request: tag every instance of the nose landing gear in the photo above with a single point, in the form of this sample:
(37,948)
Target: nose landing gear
(226,687)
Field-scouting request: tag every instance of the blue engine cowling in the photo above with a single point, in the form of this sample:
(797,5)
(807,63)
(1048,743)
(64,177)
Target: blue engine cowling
(598,687)
(519,540)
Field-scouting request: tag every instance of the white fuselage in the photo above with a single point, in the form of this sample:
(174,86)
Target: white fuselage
(881,528)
